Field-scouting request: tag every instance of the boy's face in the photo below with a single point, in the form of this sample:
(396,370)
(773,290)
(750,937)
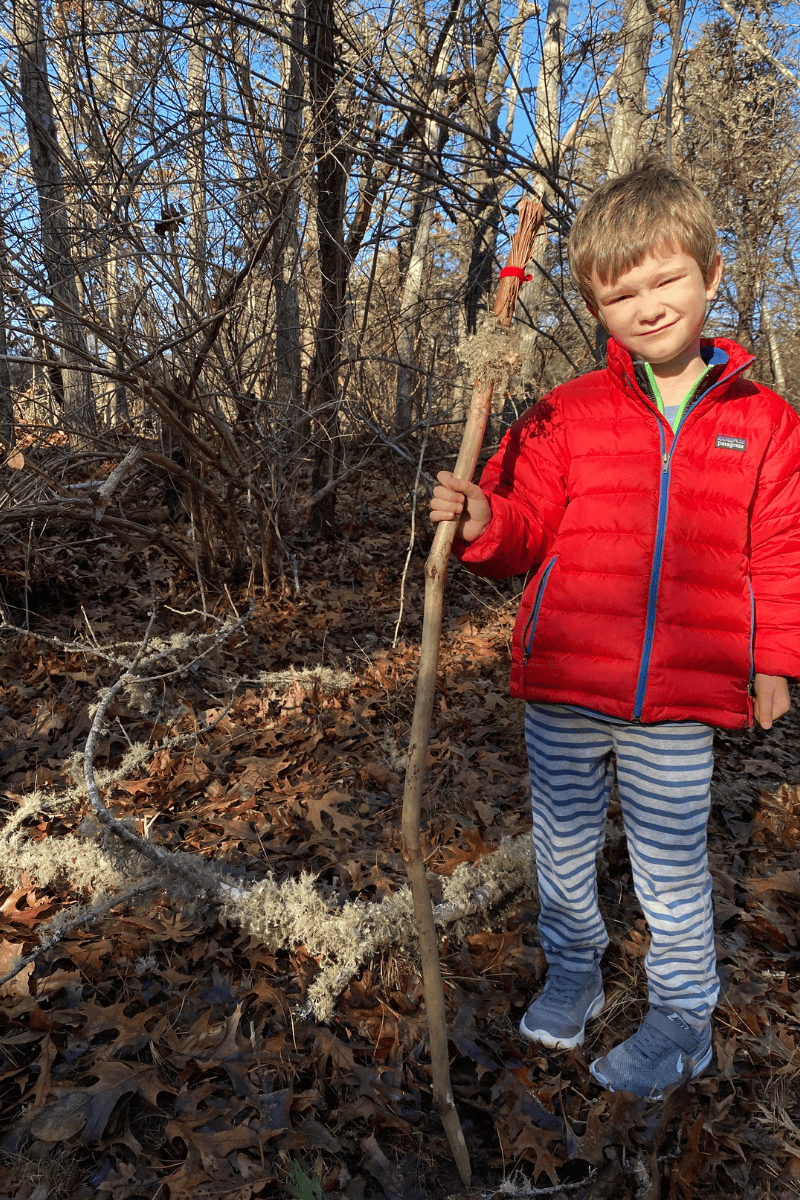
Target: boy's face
(656,309)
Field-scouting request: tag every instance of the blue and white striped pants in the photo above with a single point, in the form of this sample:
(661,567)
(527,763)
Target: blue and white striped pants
(664,774)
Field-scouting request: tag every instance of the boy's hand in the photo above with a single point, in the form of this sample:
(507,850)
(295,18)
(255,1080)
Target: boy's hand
(459,499)
(772,699)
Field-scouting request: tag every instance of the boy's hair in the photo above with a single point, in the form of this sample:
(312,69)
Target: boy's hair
(651,208)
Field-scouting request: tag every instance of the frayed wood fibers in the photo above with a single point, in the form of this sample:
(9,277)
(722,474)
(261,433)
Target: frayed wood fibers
(492,357)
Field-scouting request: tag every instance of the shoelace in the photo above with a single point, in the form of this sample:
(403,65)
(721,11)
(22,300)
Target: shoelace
(561,989)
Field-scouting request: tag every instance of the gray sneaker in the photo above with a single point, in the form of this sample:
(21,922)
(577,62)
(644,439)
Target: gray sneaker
(557,1018)
(663,1051)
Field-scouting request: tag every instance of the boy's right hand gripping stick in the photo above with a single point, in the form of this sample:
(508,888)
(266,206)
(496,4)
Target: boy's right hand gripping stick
(461,500)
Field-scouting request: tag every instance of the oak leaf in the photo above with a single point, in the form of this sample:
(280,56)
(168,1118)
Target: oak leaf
(17,985)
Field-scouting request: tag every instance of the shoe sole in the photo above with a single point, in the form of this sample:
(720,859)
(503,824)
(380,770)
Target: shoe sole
(544,1038)
(696,1070)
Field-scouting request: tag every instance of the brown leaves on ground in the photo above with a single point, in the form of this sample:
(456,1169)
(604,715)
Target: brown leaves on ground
(160,1054)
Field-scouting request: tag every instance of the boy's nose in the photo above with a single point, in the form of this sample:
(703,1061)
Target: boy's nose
(651,307)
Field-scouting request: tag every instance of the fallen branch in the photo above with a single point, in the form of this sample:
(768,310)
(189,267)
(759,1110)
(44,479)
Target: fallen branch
(81,510)
(106,491)
(519,1187)
(115,877)
(140,670)
(293,913)
(283,915)
(87,916)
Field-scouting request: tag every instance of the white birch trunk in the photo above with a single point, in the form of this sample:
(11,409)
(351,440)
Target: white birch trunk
(548,91)
(774,348)
(410,306)
(411,299)
(630,109)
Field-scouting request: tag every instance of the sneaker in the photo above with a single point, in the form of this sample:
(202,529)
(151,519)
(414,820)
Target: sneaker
(557,1018)
(665,1050)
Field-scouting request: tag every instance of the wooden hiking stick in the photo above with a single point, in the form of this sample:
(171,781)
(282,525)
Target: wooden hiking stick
(531,216)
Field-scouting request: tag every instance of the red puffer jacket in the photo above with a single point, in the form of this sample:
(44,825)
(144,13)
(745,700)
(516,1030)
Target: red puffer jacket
(666,565)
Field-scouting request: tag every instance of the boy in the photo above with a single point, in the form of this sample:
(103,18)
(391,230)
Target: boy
(657,505)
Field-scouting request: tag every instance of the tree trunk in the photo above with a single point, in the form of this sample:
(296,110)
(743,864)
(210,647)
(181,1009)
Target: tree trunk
(196,290)
(774,348)
(408,321)
(411,300)
(629,113)
(331,181)
(37,102)
(548,146)
(288,347)
(669,115)
(6,393)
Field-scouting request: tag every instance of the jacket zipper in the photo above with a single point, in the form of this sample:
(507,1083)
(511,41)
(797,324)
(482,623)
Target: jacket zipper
(751,681)
(661,525)
(527,641)
(655,576)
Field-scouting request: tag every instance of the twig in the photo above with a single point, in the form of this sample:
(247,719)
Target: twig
(86,917)
(137,670)
(754,41)
(115,478)
(528,1191)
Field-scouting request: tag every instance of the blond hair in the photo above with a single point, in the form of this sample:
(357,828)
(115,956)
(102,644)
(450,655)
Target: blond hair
(650,209)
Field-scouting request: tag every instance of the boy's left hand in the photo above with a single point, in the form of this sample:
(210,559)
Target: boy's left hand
(772,698)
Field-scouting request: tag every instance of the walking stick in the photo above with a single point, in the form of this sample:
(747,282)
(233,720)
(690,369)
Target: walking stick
(530,219)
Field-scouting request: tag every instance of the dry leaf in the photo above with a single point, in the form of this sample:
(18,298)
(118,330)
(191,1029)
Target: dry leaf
(61,1121)
(10,953)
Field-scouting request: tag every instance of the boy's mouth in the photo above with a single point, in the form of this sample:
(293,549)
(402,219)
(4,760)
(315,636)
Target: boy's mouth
(661,329)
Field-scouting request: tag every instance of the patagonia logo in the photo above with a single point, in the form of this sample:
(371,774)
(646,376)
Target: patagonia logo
(724,442)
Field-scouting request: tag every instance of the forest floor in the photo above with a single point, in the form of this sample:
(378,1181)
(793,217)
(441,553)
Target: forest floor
(161,1053)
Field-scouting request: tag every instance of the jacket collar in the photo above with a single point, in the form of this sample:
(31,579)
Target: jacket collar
(723,352)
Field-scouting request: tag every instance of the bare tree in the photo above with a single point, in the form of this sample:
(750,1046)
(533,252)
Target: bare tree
(547,155)
(431,141)
(631,107)
(196,117)
(741,145)
(45,161)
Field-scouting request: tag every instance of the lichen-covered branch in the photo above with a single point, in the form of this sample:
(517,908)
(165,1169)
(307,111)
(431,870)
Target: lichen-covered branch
(108,858)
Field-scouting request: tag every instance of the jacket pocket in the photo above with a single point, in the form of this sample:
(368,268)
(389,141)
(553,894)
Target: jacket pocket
(529,632)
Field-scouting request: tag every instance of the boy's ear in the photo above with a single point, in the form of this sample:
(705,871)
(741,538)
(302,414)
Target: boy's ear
(714,278)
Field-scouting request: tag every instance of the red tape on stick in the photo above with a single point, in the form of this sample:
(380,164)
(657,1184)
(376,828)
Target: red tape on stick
(517,272)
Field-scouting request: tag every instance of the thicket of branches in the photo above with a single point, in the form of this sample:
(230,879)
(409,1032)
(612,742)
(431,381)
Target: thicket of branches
(243,247)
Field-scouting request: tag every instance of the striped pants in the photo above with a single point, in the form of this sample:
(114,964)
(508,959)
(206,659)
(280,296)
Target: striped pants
(664,774)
